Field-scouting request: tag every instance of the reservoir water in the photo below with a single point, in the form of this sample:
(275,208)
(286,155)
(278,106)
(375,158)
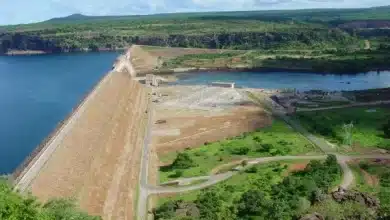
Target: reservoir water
(37,92)
(300,81)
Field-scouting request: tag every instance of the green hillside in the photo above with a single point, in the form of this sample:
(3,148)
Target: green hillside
(289,29)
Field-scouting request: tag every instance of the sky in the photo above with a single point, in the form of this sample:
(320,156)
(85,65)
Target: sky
(28,11)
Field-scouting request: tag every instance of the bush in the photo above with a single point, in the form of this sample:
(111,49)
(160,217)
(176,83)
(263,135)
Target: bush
(15,206)
(252,169)
(386,129)
(265,147)
(183,161)
(240,150)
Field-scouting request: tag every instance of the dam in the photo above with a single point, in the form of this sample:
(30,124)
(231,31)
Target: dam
(94,156)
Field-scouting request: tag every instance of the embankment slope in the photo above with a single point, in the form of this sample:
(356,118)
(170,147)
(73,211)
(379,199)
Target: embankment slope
(97,160)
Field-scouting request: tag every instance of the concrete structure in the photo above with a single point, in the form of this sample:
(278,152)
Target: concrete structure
(151,80)
(224,84)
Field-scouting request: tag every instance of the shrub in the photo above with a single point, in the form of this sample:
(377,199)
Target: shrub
(265,147)
(240,150)
(183,161)
(386,129)
(252,169)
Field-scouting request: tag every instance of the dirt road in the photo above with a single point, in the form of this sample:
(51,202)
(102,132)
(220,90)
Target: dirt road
(344,106)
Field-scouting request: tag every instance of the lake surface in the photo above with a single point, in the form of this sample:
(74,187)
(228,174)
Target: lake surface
(300,81)
(37,92)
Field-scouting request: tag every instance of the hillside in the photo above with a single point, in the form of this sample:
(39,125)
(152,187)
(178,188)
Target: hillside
(290,29)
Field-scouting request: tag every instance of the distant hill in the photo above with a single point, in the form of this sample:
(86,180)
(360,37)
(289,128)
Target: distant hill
(374,13)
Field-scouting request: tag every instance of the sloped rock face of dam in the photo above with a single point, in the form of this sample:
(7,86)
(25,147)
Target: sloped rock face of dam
(95,155)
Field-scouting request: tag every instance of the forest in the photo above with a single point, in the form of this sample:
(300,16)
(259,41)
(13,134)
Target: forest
(300,29)
(267,193)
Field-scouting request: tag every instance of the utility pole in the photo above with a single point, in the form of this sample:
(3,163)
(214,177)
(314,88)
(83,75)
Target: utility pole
(348,133)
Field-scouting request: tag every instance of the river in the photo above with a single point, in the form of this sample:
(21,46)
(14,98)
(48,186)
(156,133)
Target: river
(295,80)
(37,92)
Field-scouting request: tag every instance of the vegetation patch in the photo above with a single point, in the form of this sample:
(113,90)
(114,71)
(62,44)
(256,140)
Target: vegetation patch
(279,139)
(381,170)
(261,193)
(16,206)
(369,128)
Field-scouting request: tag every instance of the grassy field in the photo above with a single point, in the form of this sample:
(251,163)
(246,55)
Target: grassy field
(271,173)
(279,139)
(367,124)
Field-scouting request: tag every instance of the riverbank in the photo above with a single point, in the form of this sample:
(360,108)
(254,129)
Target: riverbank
(259,69)
(75,51)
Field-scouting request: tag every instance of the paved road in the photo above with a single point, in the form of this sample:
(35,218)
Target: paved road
(143,178)
(343,106)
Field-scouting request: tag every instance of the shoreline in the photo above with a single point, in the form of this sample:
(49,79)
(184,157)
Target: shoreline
(41,52)
(20,170)
(178,71)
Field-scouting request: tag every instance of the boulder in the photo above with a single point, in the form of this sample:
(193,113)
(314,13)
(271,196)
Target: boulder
(314,216)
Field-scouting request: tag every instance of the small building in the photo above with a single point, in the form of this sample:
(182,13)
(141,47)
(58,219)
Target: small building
(224,84)
(151,80)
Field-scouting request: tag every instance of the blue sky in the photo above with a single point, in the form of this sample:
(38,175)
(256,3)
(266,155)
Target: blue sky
(27,11)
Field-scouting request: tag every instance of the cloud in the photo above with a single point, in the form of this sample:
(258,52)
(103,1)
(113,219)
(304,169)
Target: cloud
(25,11)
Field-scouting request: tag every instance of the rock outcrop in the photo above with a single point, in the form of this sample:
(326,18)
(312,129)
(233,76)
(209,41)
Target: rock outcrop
(350,195)
(314,216)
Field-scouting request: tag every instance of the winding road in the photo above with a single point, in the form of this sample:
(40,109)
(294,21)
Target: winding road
(146,190)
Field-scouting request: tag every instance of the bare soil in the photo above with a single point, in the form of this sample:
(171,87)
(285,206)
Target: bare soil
(98,161)
(196,129)
(190,120)
(371,180)
(297,167)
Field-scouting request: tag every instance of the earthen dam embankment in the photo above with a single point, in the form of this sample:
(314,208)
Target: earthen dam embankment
(94,155)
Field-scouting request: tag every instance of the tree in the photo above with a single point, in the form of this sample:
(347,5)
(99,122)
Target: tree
(166,210)
(253,203)
(210,204)
(14,206)
(386,129)
(183,161)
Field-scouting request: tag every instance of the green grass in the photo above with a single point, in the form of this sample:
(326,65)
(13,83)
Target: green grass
(367,125)
(360,183)
(321,104)
(382,191)
(270,174)
(279,138)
